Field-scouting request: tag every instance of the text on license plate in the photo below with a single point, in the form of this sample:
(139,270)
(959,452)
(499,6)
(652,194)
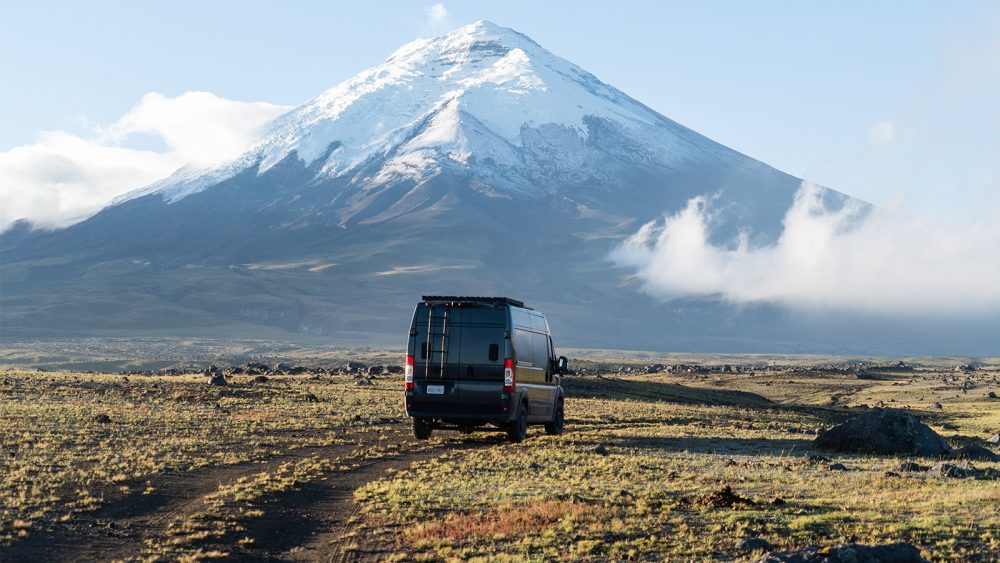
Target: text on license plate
(435,389)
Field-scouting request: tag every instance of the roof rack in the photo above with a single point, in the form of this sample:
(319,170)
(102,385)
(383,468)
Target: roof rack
(471,299)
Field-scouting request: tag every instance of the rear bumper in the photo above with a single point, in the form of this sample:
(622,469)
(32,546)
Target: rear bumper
(498,410)
(461,417)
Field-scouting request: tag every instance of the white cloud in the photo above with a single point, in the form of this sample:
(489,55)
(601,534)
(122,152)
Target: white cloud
(882,134)
(436,13)
(62,178)
(883,262)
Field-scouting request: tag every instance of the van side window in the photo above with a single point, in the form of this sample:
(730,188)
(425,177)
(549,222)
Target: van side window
(540,347)
(520,318)
(523,346)
(538,323)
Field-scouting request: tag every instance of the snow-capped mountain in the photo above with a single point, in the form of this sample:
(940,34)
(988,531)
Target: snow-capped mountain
(473,163)
(481,98)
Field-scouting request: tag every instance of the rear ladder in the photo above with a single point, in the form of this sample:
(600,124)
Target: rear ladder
(443,336)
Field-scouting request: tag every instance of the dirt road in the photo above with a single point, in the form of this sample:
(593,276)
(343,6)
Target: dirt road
(310,522)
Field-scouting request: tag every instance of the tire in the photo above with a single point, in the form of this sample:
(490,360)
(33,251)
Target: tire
(555,426)
(518,430)
(421,430)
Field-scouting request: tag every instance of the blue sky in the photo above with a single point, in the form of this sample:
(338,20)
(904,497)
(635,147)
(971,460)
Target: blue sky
(883,100)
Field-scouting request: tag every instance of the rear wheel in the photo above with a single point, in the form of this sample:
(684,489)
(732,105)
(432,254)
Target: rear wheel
(421,430)
(555,426)
(518,430)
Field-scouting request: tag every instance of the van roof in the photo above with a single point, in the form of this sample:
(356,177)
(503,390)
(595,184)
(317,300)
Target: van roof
(470,299)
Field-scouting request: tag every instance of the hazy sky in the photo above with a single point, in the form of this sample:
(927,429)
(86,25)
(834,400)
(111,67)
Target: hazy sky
(883,100)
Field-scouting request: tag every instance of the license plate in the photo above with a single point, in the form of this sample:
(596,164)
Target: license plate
(435,389)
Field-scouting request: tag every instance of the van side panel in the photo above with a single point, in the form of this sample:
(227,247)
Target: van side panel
(531,351)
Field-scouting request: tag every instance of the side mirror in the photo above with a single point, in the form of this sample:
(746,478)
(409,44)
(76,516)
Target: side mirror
(563,364)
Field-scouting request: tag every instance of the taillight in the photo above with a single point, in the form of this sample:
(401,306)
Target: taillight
(409,373)
(508,375)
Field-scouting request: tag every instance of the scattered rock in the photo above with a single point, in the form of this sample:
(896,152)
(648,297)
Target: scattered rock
(260,379)
(534,466)
(362,382)
(977,453)
(724,498)
(754,544)
(102,419)
(910,466)
(778,501)
(310,398)
(884,431)
(813,458)
(217,379)
(951,470)
(837,467)
(938,406)
(600,450)
(994,439)
(992,394)
(847,553)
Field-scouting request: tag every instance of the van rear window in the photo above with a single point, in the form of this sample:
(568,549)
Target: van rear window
(475,335)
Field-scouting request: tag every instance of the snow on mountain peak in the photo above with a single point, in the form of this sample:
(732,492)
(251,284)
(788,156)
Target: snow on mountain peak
(473,91)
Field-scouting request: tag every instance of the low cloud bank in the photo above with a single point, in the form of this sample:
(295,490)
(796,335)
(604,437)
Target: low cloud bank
(877,261)
(63,178)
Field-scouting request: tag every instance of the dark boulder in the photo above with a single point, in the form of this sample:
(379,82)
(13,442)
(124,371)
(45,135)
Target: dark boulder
(847,553)
(884,431)
(977,453)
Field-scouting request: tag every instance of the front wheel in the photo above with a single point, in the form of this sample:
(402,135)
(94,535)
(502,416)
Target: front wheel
(518,430)
(421,430)
(555,426)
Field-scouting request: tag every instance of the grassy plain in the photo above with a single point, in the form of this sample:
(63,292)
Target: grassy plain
(638,474)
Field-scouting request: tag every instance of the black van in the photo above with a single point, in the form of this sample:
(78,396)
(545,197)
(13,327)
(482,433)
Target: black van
(475,362)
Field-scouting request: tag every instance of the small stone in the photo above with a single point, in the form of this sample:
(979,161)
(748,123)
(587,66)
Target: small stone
(908,466)
(992,394)
(310,398)
(778,501)
(994,439)
(753,544)
(950,470)
(600,450)
(837,467)
(102,419)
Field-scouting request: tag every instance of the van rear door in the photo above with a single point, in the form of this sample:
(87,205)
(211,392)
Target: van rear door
(482,349)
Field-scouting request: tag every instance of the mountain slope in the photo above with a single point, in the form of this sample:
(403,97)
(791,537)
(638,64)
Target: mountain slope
(474,163)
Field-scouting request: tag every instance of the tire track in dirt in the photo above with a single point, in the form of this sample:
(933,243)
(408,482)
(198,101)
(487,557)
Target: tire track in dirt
(333,511)
(305,524)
